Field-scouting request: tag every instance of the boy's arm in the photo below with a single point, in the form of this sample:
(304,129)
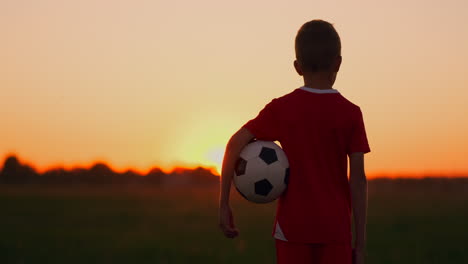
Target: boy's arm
(358,186)
(235,145)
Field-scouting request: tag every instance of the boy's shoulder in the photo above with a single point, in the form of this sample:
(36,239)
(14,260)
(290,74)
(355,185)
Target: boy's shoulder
(287,98)
(349,103)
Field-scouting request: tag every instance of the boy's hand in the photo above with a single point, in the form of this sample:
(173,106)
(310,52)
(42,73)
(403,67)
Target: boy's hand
(358,256)
(226,222)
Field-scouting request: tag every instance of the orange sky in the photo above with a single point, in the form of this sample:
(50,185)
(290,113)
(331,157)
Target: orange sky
(142,83)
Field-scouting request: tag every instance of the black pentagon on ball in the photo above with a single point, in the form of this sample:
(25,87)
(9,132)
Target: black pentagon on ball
(268,155)
(239,168)
(286,177)
(263,187)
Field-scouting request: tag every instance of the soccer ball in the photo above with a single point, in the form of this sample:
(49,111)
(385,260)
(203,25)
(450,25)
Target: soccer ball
(261,173)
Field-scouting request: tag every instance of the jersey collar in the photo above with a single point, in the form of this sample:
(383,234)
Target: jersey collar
(319,91)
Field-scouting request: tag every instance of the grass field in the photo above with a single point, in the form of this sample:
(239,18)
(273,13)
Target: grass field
(416,222)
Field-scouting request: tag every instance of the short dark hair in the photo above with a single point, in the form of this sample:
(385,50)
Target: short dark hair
(317,45)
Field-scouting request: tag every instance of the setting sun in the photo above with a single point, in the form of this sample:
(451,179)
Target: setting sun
(216,156)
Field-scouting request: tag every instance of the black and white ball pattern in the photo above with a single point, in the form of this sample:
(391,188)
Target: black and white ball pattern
(261,173)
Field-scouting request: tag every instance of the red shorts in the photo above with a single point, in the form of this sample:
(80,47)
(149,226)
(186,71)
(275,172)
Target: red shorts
(296,253)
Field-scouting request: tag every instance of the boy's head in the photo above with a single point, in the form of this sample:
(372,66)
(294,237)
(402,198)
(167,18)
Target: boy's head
(318,48)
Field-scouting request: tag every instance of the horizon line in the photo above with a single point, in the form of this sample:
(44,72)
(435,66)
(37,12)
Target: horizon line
(381,174)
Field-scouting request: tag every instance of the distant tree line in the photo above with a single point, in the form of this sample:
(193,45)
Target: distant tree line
(15,172)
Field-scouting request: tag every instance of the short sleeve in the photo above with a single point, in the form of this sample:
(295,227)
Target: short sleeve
(266,125)
(358,138)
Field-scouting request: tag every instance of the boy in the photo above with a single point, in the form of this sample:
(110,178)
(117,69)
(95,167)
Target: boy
(318,129)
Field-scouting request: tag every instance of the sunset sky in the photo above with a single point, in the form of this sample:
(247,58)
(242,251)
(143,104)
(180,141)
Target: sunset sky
(164,83)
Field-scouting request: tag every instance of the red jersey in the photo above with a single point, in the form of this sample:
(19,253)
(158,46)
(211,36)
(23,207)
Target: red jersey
(317,130)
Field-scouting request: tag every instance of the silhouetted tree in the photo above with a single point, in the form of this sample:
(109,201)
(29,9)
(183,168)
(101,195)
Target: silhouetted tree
(56,175)
(15,172)
(129,176)
(203,176)
(154,176)
(100,173)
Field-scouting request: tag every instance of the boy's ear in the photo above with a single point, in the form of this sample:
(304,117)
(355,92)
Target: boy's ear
(298,68)
(336,64)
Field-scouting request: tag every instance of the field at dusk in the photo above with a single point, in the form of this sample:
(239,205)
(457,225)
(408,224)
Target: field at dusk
(410,221)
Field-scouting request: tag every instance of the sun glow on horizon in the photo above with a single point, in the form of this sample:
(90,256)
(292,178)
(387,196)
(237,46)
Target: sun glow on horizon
(216,156)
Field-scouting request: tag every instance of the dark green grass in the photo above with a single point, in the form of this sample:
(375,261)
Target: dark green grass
(44,224)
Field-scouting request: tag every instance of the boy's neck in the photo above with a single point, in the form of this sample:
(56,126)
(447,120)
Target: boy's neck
(319,80)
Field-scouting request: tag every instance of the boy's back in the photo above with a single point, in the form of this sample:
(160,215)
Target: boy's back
(317,130)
